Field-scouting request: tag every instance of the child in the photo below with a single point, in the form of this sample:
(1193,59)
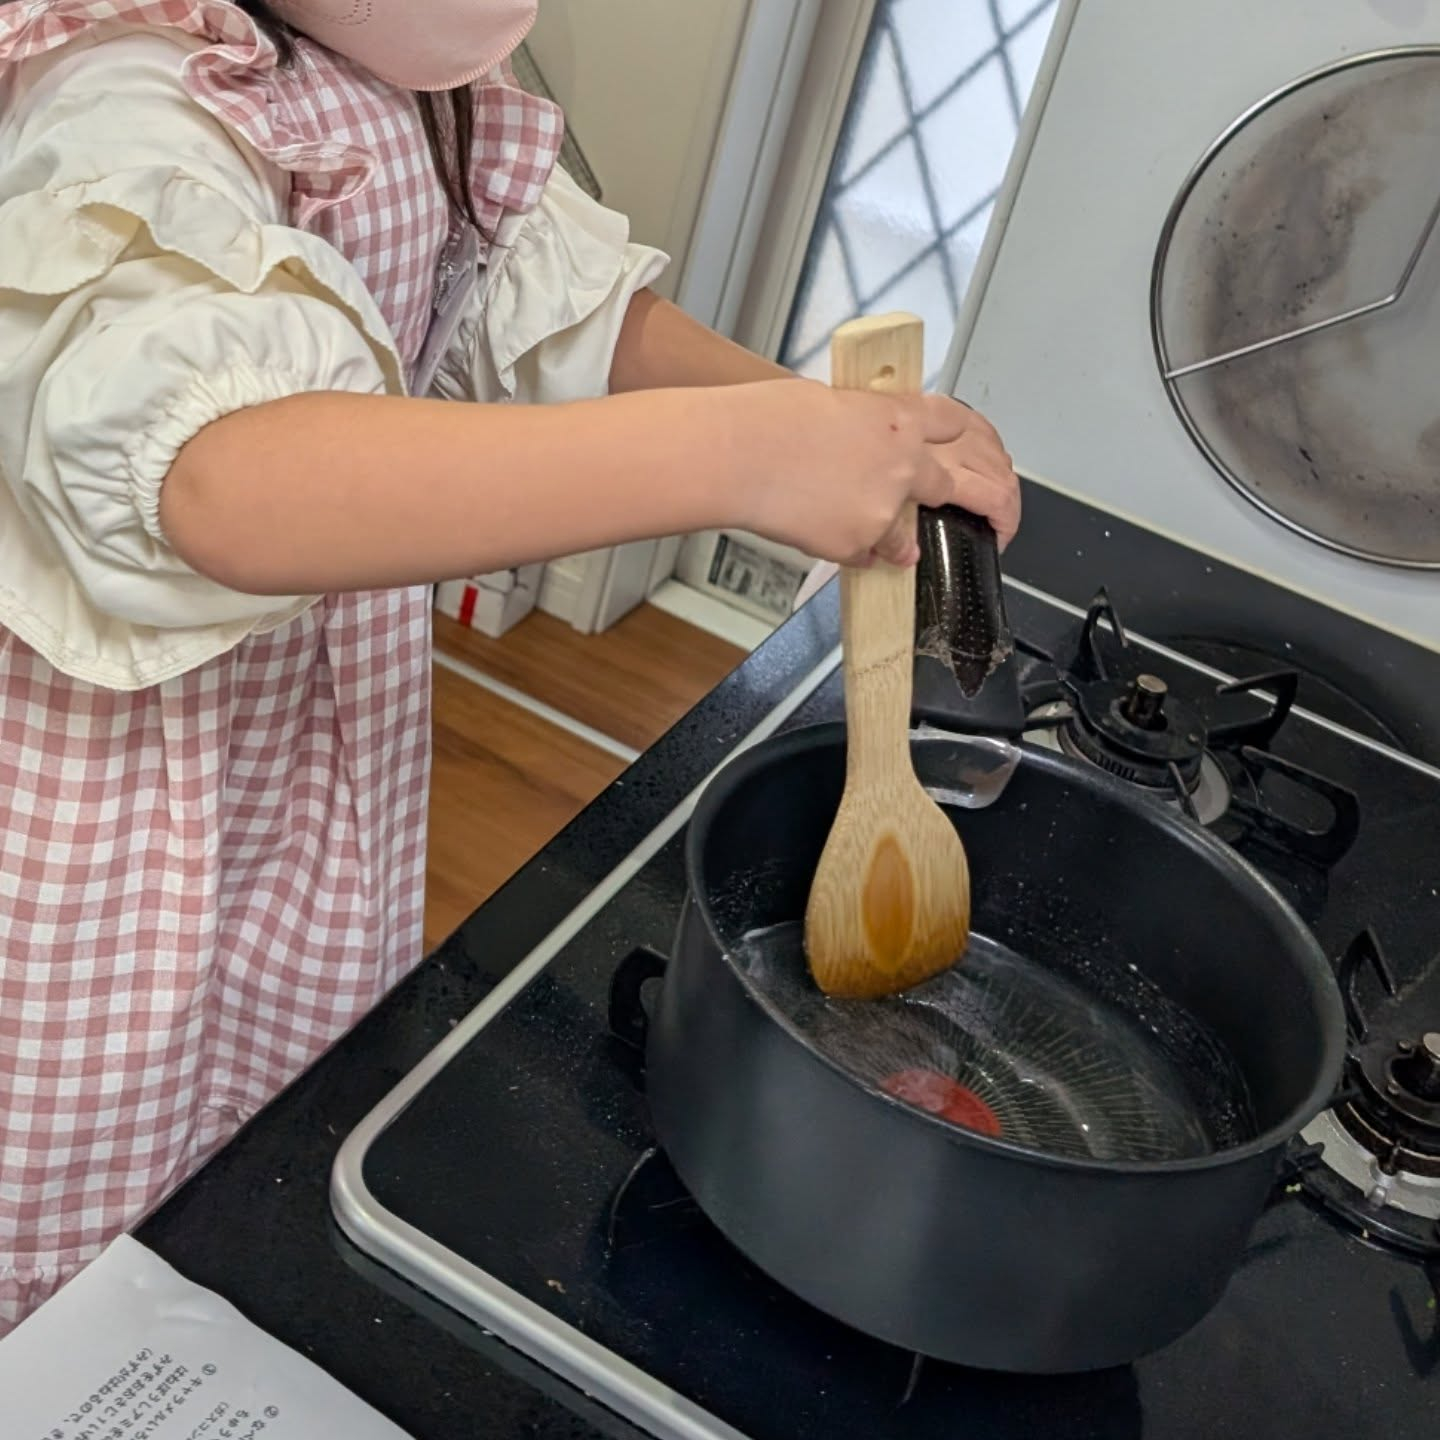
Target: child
(247,253)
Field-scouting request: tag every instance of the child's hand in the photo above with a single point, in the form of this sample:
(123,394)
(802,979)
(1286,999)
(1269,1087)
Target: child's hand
(832,470)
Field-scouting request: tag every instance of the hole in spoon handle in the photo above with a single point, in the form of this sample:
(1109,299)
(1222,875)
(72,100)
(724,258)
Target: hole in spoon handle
(879,352)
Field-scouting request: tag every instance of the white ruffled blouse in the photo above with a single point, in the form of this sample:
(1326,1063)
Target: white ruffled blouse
(153,278)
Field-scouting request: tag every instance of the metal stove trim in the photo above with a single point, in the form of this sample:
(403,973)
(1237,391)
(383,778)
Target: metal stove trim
(530,1328)
(1417,1195)
(590,1367)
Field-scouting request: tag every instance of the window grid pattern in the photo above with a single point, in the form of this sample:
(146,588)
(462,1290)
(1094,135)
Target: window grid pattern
(926,140)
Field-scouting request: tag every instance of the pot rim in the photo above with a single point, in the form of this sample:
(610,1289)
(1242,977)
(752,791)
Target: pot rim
(1196,837)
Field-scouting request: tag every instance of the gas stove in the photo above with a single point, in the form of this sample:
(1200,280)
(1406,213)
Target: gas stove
(1209,754)
(1373,1158)
(513,1175)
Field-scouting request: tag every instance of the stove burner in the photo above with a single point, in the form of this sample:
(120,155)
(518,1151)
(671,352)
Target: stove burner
(1209,799)
(652,1208)
(1391,1207)
(1375,1159)
(1396,1109)
(1130,730)
(1103,709)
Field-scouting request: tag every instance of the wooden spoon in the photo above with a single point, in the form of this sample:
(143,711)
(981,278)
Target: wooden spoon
(890,903)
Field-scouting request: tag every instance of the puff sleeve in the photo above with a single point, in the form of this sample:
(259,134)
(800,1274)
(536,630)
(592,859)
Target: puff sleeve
(543,324)
(148,286)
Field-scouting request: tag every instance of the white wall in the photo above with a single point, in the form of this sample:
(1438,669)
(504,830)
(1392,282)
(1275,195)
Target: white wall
(644,84)
(1055,344)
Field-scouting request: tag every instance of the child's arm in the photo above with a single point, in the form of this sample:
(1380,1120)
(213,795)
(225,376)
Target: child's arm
(660,345)
(334,491)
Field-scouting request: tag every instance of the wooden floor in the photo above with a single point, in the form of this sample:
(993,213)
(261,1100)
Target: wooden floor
(505,779)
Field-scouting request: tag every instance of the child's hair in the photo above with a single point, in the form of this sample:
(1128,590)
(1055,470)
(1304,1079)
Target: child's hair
(448,117)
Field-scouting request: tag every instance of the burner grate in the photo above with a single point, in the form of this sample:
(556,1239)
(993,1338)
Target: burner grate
(1102,707)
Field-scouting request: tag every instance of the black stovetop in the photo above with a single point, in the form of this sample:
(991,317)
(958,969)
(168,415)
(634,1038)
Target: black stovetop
(255,1224)
(513,1156)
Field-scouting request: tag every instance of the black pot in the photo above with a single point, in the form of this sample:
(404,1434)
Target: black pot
(939,1240)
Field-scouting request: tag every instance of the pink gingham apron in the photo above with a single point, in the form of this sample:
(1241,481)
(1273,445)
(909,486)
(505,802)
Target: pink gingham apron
(204,883)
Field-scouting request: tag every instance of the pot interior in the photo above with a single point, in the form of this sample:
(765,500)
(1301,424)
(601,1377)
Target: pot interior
(1133,991)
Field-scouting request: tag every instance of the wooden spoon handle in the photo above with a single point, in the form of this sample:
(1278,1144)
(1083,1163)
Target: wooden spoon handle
(877,605)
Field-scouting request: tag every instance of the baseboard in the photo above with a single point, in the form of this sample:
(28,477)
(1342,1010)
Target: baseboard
(714,616)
